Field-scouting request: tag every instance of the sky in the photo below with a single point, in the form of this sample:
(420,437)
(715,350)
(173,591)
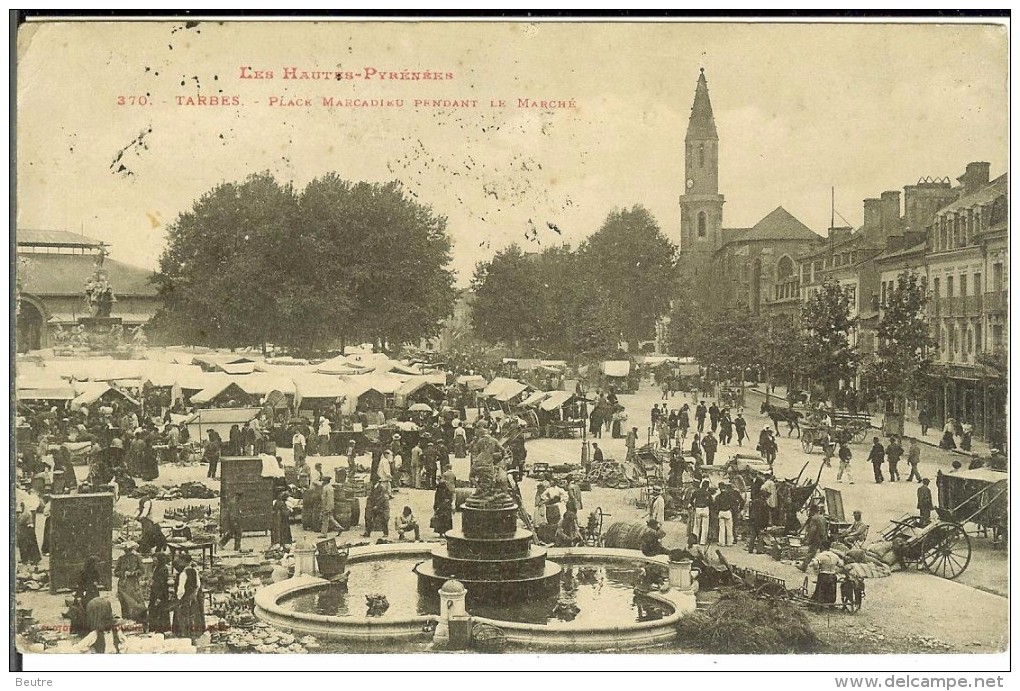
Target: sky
(800,109)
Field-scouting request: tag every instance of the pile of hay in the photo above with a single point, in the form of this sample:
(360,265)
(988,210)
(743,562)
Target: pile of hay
(739,623)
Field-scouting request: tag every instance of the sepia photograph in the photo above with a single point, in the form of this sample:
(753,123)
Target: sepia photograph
(659,340)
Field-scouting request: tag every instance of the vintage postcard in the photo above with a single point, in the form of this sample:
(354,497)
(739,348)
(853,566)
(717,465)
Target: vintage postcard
(686,339)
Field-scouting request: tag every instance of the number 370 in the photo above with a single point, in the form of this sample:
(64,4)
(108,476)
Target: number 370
(132,100)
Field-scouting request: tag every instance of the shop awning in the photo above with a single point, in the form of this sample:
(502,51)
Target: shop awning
(556,399)
(536,398)
(515,388)
(616,368)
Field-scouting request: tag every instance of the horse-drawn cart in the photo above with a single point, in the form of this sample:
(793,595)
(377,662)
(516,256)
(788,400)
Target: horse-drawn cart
(814,435)
(850,426)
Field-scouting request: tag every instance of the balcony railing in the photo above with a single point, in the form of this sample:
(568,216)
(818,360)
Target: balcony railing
(996,301)
(957,306)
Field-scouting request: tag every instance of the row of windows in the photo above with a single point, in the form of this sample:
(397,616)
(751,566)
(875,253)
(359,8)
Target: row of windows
(954,230)
(973,286)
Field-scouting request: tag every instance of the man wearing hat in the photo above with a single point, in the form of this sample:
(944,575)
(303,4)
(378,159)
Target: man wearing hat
(857,533)
(657,506)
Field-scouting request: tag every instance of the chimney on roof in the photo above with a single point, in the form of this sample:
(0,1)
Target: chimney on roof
(891,213)
(872,228)
(975,178)
(923,200)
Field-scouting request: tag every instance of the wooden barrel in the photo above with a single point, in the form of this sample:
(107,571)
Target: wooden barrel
(310,503)
(342,512)
(625,535)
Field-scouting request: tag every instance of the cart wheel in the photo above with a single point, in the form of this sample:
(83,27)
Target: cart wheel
(860,435)
(806,442)
(946,550)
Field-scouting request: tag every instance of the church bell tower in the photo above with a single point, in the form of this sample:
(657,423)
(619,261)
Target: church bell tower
(701,204)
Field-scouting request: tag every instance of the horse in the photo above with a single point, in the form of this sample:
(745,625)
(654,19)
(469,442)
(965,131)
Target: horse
(787,415)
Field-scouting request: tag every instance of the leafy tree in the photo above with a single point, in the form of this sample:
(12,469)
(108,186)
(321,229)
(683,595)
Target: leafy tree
(779,346)
(687,314)
(635,263)
(902,365)
(726,343)
(826,325)
(507,297)
(389,252)
(255,261)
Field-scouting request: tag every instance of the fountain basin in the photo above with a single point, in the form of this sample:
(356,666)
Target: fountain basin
(274,604)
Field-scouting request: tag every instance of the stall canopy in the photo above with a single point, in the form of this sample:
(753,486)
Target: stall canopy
(498,384)
(474,382)
(309,385)
(415,385)
(515,388)
(689,370)
(90,392)
(261,383)
(556,399)
(339,365)
(535,398)
(616,368)
(39,385)
(219,419)
(61,393)
(237,367)
(224,389)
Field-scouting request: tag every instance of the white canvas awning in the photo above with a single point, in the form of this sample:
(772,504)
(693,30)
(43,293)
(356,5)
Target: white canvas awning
(472,381)
(261,383)
(556,399)
(219,419)
(616,368)
(207,395)
(90,392)
(515,388)
(535,398)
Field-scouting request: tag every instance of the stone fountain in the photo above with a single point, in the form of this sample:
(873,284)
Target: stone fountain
(494,558)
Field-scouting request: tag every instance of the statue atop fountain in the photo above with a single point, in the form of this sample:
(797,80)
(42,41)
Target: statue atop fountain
(99,330)
(98,292)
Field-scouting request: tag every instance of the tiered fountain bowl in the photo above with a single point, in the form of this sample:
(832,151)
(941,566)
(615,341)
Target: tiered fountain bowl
(494,559)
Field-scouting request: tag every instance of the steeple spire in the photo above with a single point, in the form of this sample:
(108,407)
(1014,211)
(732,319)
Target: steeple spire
(702,123)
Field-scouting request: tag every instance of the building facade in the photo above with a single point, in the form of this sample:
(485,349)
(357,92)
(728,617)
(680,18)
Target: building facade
(955,239)
(53,268)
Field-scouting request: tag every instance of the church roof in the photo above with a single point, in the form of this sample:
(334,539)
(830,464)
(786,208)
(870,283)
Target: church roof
(702,123)
(780,224)
(733,234)
(66,274)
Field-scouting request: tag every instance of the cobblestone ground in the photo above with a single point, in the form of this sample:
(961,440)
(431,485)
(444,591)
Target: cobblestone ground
(906,612)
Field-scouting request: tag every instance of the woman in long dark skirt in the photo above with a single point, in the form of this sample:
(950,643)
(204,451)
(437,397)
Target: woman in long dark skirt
(150,464)
(129,584)
(160,597)
(189,613)
(87,590)
(281,534)
(442,507)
